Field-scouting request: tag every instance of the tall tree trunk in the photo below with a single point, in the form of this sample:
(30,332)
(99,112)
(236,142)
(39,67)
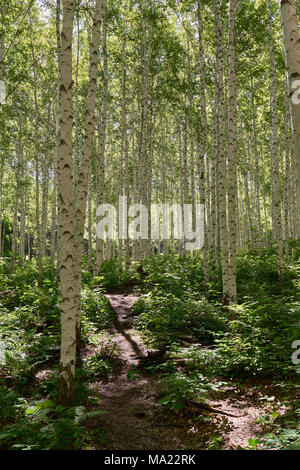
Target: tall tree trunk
(222,173)
(45,195)
(276,200)
(100,164)
(15,227)
(203,144)
(292,49)
(90,236)
(54,196)
(84,171)
(124,136)
(77,113)
(124,145)
(256,172)
(37,159)
(66,214)
(232,178)
(22,195)
(57,180)
(146,48)
(286,172)
(213,181)
(185,173)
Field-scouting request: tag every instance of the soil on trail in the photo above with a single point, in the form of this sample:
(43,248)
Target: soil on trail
(133,420)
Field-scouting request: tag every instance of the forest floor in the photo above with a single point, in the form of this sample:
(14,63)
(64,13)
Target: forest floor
(133,419)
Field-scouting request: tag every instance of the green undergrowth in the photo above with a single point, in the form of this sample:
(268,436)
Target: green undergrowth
(252,338)
(285,430)
(30,341)
(206,344)
(42,425)
(109,276)
(201,345)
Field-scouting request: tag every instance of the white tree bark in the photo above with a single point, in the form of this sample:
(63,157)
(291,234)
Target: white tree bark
(66,213)
(276,199)
(84,170)
(292,49)
(232,178)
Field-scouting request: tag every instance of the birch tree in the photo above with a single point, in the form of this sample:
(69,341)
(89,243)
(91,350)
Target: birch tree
(222,173)
(292,50)
(84,171)
(66,213)
(232,178)
(276,199)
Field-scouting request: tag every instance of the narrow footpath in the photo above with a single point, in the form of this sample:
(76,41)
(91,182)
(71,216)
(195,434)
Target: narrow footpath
(133,420)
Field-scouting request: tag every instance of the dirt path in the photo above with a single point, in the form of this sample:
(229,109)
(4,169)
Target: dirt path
(134,421)
(130,401)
